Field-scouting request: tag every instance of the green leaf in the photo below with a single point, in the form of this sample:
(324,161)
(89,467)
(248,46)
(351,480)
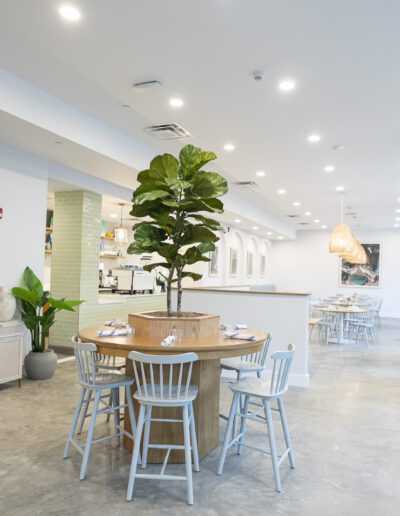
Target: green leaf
(193,275)
(32,282)
(200,234)
(150,232)
(64,304)
(151,196)
(192,159)
(164,166)
(209,184)
(152,266)
(206,248)
(27,295)
(210,223)
(179,184)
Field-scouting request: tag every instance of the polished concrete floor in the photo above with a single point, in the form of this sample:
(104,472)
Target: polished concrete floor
(345,430)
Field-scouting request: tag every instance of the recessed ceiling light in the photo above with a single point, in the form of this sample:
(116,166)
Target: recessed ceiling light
(260,173)
(287,85)
(237,221)
(269,233)
(340,188)
(176,102)
(316,221)
(314,138)
(397,218)
(397,225)
(229,147)
(69,12)
(307,213)
(329,168)
(398,199)
(281,191)
(113,215)
(296,203)
(398,211)
(323,227)
(280,237)
(255,228)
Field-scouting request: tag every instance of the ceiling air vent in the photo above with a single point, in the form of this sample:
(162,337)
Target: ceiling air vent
(293,216)
(304,223)
(167,131)
(245,184)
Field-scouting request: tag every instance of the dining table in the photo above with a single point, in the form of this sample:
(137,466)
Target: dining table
(340,312)
(205,374)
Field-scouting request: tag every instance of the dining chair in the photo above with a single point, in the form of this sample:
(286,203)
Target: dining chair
(108,363)
(264,392)
(93,380)
(164,381)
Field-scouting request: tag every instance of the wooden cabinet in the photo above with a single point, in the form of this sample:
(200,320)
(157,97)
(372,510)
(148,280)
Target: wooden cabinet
(11,351)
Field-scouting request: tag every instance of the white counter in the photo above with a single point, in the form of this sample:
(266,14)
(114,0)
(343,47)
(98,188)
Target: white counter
(111,299)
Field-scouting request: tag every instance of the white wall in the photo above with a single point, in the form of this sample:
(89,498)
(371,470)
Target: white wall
(265,312)
(23,196)
(306,265)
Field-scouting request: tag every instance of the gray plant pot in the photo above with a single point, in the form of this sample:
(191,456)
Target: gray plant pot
(40,366)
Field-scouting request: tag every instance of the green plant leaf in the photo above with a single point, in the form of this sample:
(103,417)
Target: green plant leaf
(200,234)
(149,267)
(151,196)
(27,295)
(150,232)
(192,159)
(32,282)
(210,223)
(209,184)
(64,304)
(177,183)
(206,248)
(164,166)
(194,275)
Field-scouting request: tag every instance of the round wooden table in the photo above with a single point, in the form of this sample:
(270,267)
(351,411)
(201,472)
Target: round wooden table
(340,311)
(206,374)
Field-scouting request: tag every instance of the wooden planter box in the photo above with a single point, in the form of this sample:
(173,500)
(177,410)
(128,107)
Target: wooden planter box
(193,327)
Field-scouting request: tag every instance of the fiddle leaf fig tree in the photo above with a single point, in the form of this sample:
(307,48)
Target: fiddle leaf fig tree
(174,197)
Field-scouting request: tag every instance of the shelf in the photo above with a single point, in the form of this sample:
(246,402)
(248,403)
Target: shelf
(113,256)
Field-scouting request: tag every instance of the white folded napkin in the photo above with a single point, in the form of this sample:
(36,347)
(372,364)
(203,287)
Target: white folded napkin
(116,323)
(169,341)
(240,326)
(114,333)
(239,336)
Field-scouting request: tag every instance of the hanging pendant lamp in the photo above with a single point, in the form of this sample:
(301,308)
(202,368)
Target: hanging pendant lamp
(341,239)
(120,233)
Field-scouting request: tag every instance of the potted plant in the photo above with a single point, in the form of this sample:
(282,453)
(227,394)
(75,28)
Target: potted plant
(174,195)
(38,312)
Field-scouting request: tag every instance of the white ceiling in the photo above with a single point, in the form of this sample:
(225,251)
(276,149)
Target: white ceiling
(343,55)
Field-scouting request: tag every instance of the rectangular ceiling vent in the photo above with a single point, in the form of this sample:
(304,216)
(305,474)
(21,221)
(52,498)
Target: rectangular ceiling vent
(245,184)
(293,216)
(167,131)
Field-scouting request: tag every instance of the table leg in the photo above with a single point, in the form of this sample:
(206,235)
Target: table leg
(206,375)
(341,328)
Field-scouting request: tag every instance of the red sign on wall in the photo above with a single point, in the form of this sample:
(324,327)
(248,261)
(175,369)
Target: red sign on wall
(1,213)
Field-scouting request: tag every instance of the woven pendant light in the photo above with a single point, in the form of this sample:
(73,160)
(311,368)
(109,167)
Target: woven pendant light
(341,239)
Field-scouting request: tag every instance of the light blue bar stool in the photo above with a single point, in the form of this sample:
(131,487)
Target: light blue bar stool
(100,383)
(265,392)
(164,381)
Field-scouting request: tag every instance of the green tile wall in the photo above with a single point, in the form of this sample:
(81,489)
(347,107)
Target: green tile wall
(75,264)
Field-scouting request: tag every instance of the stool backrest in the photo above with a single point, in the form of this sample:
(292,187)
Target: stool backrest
(260,356)
(280,372)
(85,359)
(163,376)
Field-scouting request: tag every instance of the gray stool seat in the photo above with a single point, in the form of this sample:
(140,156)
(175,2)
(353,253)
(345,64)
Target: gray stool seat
(109,380)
